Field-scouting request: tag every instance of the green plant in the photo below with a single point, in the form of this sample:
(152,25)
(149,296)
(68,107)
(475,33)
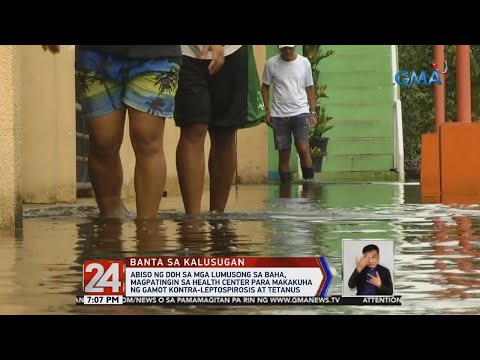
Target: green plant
(316,150)
(322,125)
(315,54)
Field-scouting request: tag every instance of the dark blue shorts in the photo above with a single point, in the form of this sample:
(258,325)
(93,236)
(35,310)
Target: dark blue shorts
(283,127)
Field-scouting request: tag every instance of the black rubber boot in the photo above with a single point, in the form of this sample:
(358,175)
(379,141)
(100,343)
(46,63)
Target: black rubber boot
(308,173)
(285,177)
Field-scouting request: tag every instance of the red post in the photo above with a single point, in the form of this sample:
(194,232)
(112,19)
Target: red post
(439,57)
(464,99)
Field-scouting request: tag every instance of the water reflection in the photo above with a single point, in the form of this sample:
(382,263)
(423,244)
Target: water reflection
(151,237)
(111,238)
(307,190)
(437,247)
(458,258)
(216,237)
(285,190)
(99,238)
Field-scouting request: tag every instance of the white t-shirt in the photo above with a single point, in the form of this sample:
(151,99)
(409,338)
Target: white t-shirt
(195,51)
(290,80)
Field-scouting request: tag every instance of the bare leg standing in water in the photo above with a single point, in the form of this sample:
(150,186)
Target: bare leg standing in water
(114,79)
(214,103)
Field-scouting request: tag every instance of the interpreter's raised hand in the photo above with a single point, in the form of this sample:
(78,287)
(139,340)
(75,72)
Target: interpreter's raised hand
(362,262)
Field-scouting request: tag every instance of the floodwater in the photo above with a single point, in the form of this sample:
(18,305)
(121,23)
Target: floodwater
(436,247)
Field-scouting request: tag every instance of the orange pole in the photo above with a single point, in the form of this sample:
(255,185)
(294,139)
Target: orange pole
(464,99)
(439,57)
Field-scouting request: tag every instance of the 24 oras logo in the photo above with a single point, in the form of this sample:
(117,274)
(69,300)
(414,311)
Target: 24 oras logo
(405,78)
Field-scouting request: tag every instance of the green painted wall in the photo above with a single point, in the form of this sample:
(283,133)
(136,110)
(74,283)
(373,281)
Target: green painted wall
(360,90)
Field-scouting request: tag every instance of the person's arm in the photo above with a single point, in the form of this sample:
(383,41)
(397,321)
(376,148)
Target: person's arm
(353,281)
(266,81)
(386,288)
(312,100)
(266,101)
(218,57)
(311,96)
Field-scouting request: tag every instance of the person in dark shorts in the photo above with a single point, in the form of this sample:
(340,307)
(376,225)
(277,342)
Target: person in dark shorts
(213,103)
(293,107)
(114,79)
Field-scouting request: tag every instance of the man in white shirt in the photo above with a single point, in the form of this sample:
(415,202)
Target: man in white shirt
(293,107)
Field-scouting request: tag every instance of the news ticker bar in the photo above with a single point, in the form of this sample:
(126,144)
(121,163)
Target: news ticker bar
(234,300)
(210,276)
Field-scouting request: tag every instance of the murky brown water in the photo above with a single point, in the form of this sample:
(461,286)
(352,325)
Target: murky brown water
(437,247)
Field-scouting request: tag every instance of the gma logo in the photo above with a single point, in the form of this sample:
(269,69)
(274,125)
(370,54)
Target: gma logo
(404,78)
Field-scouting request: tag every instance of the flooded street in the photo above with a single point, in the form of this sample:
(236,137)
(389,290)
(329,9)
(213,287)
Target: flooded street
(437,247)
